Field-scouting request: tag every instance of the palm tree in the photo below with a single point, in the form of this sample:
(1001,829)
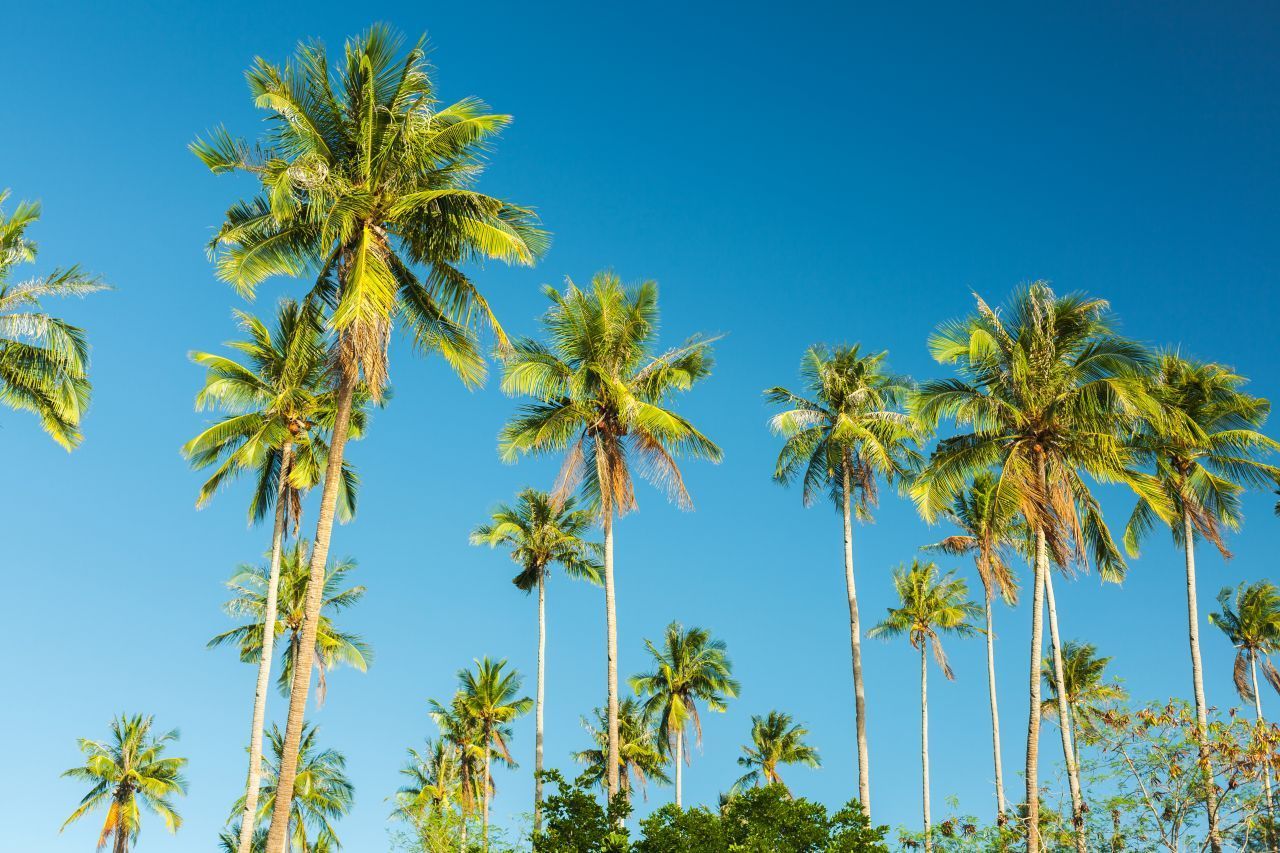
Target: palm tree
(541,532)
(1204,446)
(775,740)
(989,533)
(931,604)
(323,793)
(278,405)
(367,184)
(433,780)
(842,433)
(488,696)
(640,756)
(602,395)
(332,647)
(1087,692)
(128,772)
(461,732)
(43,360)
(690,667)
(1044,388)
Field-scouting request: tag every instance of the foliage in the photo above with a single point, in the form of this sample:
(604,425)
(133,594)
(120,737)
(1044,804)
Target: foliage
(776,739)
(539,532)
(575,822)
(1251,621)
(641,755)
(931,604)
(1088,691)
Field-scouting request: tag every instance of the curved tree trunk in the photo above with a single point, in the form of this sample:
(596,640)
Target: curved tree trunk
(611,641)
(277,836)
(924,746)
(679,762)
(1001,807)
(1064,719)
(1033,719)
(1197,680)
(538,713)
(1266,768)
(855,645)
(268,650)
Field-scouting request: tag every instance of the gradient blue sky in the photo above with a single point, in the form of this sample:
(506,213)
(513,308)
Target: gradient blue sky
(821,173)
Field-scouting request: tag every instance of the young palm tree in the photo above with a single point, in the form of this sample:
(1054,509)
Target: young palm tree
(1205,448)
(43,360)
(775,740)
(990,533)
(842,433)
(540,533)
(462,734)
(602,395)
(1044,388)
(1087,692)
(126,773)
(333,647)
(367,182)
(640,755)
(689,668)
(278,408)
(433,781)
(931,604)
(488,696)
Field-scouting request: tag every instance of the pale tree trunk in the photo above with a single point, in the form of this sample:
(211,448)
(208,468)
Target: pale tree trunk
(538,713)
(1266,768)
(277,836)
(611,641)
(485,799)
(679,762)
(924,746)
(250,812)
(1033,720)
(1001,807)
(855,644)
(1064,718)
(1197,680)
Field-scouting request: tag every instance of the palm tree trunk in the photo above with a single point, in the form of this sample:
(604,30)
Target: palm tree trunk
(1197,680)
(611,642)
(268,650)
(679,761)
(1064,719)
(1033,719)
(537,749)
(121,844)
(277,836)
(855,644)
(924,746)
(995,714)
(485,801)
(1266,768)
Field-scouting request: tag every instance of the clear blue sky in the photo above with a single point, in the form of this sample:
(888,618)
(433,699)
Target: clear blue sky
(823,174)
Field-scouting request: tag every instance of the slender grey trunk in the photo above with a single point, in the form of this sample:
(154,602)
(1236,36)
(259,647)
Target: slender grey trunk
(1064,719)
(1033,721)
(679,761)
(538,713)
(1001,807)
(855,645)
(1266,768)
(1197,680)
(485,792)
(611,628)
(248,816)
(924,746)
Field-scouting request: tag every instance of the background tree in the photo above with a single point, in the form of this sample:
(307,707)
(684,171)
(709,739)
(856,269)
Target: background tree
(776,739)
(461,731)
(488,695)
(845,431)
(640,754)
(602,394)
(1088,692)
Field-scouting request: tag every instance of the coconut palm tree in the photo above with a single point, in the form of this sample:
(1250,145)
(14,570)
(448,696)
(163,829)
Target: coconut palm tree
(689,668)
(640,754)
(367,183)
(461,732)
(602,393)
(250,588)
(1206,450)
(433,780)
(1088,693)
(930,604)
(990,533)
(776,739)
(1045,386)
(542,532)
(43,359)
(126,773)
(487,695)
(843,432)
(278,407)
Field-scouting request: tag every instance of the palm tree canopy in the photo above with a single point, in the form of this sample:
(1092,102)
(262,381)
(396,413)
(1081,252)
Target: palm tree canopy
(776,739)
(43,359)
(930,604)
(128,771)
(641,755)
(541,532)
(602,392)
(488,694)
(1250,618)
(432,775)
(990,533)
(848,414)
(690,667)
(368,183)
(1084,677)
(465,739)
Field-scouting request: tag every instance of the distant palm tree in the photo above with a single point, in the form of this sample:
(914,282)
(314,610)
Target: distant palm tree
(1087,692)
(775,740)
(487,695)
(690,667)
(991,531)
(601,392)
(43,360)
(540,533)
(640,755)
(367,182)
(930,604)
(843,432)
(1206,450)
(460,731)
(332,646)
(433,780)
(126,773)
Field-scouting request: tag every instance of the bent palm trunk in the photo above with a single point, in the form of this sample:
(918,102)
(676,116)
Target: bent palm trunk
(1266,768)
(1064,719)
(924,745)
(1033,721)
(855,644)
(995,715)
(277,836)
(537,749)
(1197,680)
(611,628)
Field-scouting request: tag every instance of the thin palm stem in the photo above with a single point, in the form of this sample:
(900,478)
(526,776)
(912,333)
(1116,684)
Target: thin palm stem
(1064,718)
(1197,680)
(1001,807)
(855,644)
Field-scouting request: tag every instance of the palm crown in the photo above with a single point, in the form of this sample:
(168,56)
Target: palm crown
(640,756)
(930,604)
(990,533)
(1250,618)
(776,739)
(689,667)
(1084,679)
(541,532)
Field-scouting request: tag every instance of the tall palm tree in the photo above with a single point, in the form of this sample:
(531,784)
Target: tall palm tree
(1088,693)
(930,604)
(367,183)
(776,739)
(1206,450)
(690,667)
(278,407)
(990,532)
(640,755)
(843,433)
(540,533)
(488,696)
(43,360)
(602,393)
(126,773)
(1045,387)
(332,647)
